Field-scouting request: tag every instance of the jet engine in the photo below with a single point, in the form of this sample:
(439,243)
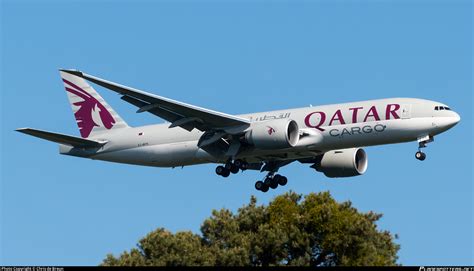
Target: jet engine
(274,134)
(342,163)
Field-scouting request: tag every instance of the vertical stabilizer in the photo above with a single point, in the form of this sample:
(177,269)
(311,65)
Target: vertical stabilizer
(93,115)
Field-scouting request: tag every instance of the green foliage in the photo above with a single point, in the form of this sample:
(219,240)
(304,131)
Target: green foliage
(314,231)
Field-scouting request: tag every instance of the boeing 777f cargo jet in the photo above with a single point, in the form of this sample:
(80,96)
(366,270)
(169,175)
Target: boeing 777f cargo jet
(328,137)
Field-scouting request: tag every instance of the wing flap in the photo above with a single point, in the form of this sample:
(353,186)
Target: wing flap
(62,138)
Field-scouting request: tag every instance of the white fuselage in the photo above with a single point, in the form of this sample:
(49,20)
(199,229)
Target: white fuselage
(327,127)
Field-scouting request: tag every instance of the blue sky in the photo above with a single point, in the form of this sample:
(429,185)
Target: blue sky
(234,57)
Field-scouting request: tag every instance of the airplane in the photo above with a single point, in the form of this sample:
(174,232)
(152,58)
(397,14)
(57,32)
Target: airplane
(329,137)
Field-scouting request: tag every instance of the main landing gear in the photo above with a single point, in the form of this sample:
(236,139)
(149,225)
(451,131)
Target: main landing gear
(231,167)
(271,181)
(422,141)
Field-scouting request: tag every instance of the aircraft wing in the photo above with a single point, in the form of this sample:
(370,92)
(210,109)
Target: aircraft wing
(178,113)
(62,139)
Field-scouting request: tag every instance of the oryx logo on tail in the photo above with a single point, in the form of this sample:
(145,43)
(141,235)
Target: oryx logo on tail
(91,113)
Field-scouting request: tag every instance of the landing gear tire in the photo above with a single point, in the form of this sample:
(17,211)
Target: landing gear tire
(241,164)
(265,188)
(420,155)
(234,169)
(238,163)
(220,170)
(267,181)
(259,185)
(226,173)
(273,183)
(282,180)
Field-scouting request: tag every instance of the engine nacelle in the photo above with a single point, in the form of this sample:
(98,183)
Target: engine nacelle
(274,134)
(343,163)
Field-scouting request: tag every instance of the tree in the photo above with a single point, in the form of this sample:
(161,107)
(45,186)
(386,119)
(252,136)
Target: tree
(291,230)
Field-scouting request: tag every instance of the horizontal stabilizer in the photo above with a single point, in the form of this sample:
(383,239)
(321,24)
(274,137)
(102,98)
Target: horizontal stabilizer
(62,139)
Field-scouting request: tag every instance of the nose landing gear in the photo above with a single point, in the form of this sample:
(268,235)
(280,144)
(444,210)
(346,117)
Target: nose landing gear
(422,141)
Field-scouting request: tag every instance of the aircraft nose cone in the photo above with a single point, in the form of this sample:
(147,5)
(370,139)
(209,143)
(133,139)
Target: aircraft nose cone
(456,118)
(445,123)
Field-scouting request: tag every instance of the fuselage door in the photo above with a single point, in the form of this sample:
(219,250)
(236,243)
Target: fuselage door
(406,111)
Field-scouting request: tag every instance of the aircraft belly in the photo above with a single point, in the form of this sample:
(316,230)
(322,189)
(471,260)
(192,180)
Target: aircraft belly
(163,155)
(175,154)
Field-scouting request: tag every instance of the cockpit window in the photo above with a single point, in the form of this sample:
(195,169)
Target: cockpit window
(441,108)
